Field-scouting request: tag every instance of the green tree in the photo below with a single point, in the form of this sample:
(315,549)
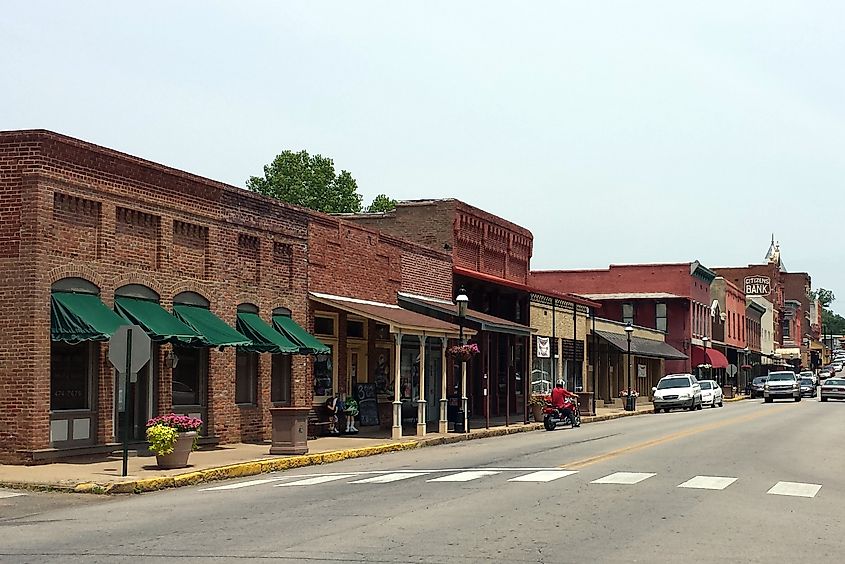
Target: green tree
(308,181)
(382,203)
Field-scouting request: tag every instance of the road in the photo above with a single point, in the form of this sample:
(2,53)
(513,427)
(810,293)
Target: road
(607,492)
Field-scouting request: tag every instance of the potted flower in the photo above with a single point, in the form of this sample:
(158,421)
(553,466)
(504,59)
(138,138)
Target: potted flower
(630,396)
(172,437)
(536,403)
(463,352)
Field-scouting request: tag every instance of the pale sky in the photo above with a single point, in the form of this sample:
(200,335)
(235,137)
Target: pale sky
(616,131)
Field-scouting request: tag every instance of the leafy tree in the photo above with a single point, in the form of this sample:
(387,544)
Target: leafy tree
(382,203)
(825,297)
(308,181)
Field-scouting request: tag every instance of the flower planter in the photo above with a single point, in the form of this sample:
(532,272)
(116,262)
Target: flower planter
(181,451)
(537,410)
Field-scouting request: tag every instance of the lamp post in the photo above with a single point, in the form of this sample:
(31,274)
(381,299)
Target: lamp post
(463,301)
(746,350)
(629,404)
(704,341)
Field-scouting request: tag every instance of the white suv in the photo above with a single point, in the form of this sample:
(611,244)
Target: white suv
(677,391)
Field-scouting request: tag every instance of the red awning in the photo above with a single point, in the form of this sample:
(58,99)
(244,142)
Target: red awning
(714,357)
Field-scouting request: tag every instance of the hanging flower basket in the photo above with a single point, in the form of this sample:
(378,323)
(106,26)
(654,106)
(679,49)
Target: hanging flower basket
(463,352)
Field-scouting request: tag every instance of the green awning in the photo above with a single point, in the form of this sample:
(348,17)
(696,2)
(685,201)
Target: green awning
(264,338)
(159,325)
(213,331)
(308,344)
(75,318)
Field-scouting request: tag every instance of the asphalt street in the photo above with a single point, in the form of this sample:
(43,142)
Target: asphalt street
(749,482)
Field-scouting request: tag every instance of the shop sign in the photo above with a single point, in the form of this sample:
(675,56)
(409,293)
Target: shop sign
(543,347)
(642,371)
(757,285)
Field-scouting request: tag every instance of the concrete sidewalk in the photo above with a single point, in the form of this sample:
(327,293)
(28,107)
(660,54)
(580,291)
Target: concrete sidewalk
(237,460)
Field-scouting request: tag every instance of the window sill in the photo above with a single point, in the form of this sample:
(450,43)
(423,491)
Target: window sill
(247,405)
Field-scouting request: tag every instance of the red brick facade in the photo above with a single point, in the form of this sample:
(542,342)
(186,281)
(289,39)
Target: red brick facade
(72,209)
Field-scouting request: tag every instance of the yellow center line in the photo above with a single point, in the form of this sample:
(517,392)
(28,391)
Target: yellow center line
(584,462)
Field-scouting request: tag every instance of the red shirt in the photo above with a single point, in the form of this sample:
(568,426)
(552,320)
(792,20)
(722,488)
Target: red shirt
(559,396)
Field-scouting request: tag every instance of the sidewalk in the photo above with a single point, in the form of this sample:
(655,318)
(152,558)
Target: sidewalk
(237,460)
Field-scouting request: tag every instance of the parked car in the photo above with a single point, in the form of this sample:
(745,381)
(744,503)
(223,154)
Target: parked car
(808,388)
(781,384)
(833,388)
(811,375)
(677,391)
(711,393)
(827,372)
(757,386)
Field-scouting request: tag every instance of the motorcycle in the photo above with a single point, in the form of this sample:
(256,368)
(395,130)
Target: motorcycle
(552,416)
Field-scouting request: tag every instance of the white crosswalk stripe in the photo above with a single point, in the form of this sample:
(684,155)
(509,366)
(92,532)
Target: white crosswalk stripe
(7,494)
(465,476)
(708,483)
(543,476)
(625,478)
(315,481)
(795,489)
(388,478)
(239,485)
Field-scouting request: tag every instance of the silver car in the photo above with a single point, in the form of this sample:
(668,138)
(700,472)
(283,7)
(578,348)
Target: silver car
(781,385)
(833,388)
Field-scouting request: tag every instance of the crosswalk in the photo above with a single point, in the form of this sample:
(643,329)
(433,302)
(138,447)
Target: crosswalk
(511,475)
(6,494)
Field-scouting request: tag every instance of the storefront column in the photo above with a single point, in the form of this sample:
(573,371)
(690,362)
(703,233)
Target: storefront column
(444,422)
(421,419)
(397,402)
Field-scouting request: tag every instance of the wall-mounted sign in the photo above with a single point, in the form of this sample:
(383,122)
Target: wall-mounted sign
(543,347)
(757,285)
(642,371)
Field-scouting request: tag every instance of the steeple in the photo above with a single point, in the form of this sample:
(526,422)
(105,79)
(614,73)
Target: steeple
(773,255)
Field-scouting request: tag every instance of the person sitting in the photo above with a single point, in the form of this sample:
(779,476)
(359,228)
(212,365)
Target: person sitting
(563,400)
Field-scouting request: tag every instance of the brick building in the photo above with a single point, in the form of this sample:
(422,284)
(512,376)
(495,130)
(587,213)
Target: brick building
(672,298)
(729,327)
(86,229)
(490,259)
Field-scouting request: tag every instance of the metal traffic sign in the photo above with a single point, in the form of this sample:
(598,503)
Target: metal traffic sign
(129,351)
(129,338)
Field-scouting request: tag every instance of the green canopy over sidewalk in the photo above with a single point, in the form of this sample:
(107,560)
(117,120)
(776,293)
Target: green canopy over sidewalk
(308,344)
(214,331)
(264,338)
(156,321)
(75,318)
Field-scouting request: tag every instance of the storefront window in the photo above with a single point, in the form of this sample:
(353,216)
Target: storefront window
(280,379)
(355,329)
(409,370)
(323,373)
(324,326)
(186,376)
(518,352)
(70,376)
(246,378)
(382,376)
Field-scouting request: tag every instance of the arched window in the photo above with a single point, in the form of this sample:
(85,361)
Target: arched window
(137,291)
(78,285)
(247,308)
(282,311)
(191,298)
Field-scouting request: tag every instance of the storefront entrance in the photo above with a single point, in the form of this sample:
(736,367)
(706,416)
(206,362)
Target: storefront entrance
(190,383)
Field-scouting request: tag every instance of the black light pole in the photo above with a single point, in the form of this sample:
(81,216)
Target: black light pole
(746,363)
(629,405)
(462,301)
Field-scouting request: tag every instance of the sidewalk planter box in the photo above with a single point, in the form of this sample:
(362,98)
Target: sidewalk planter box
(585,403)
(290,426)
(537,411)
(181,451)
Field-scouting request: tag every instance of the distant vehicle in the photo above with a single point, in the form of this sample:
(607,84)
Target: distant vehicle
(757,386)
(808,388)
(781,384)
(827,372)
(811,375)
(833,388)
(711,393)
(677,391)
(838,365)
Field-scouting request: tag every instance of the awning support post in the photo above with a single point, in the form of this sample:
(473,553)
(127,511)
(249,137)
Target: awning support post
(421,412)
(444,422)
(397,402)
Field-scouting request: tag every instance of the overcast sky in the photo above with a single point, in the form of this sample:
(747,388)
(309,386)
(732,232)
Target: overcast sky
(617,132)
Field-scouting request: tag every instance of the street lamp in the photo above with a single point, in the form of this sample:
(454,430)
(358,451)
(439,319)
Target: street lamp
(746,350)
(704,341)
(463,301)
(629,404)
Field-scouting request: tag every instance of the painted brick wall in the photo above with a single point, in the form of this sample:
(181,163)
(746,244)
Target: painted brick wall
(76,209)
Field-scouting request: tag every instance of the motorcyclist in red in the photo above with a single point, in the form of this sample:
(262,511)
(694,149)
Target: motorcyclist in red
(563,400)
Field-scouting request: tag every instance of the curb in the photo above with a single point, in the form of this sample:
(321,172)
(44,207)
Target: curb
(254,467)
(740,398)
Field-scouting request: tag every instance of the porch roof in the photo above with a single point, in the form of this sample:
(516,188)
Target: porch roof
(398,319)
(486,321)
(642,347)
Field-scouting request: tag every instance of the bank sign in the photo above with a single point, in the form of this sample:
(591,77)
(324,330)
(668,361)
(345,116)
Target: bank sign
(757,285)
